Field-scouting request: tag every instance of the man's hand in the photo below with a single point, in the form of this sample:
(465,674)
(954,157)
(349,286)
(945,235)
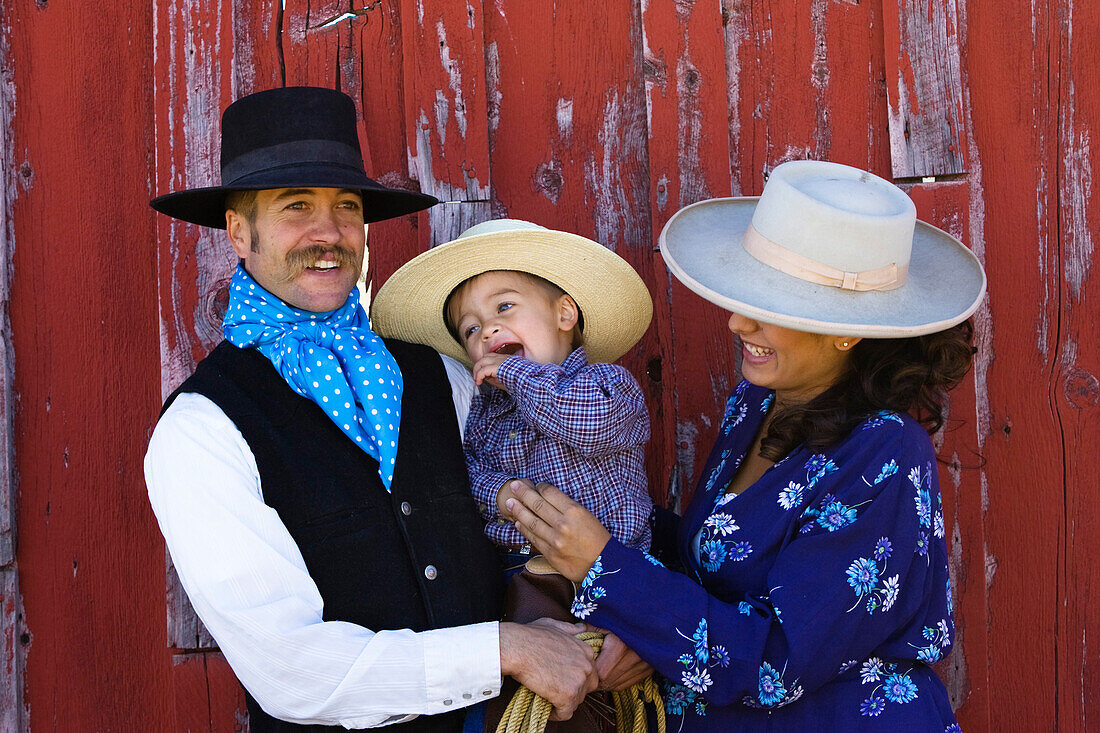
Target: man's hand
(618,666)
(565,532)
(486,369)
(545,657)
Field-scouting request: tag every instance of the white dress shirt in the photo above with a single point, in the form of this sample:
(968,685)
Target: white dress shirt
(248,583)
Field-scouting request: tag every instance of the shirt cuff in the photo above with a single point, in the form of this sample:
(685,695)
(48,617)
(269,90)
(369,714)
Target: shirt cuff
(515,369)
(476,678)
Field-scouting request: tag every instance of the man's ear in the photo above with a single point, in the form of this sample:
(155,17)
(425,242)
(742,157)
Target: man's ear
(239,231)
(568,313)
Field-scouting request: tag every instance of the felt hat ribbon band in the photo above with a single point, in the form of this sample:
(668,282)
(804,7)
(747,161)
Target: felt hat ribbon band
(780,258)
(295,152)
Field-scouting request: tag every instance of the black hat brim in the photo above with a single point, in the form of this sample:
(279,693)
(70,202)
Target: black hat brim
(206,206)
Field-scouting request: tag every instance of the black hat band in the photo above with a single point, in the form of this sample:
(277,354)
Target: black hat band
(290,153)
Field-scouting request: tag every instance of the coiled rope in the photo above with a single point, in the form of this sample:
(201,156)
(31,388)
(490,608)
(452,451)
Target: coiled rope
(529,713)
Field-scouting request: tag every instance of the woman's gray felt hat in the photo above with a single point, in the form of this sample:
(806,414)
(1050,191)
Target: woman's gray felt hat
(826,248)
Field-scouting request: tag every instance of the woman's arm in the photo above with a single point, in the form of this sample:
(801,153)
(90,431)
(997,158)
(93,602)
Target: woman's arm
(865,573)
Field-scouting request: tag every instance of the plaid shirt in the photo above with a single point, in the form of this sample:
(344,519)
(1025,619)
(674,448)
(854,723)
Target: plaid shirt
(581,427)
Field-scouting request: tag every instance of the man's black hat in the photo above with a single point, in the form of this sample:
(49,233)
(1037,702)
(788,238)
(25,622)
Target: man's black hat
(292,137)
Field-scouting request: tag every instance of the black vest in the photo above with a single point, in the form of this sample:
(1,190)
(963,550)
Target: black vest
(415,558)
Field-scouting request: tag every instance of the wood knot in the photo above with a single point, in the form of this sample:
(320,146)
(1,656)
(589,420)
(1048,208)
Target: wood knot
(1082,389)
(216,303)
(548,180)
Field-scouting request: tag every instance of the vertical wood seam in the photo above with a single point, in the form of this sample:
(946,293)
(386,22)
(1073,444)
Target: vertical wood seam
(12,630)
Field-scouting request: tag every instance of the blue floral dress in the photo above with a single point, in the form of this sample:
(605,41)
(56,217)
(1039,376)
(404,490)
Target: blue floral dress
(813,600)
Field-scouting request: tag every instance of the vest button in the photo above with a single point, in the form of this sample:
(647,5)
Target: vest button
(430,572)
(406,508)
(448,702)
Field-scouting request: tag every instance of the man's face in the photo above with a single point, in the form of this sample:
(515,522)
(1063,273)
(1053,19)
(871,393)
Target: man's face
(306,244)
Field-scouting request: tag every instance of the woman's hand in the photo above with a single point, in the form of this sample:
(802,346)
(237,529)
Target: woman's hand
(561,529)
(618,666)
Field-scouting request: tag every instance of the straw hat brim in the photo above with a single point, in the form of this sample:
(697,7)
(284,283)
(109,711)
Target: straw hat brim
(613,299)
(702,246)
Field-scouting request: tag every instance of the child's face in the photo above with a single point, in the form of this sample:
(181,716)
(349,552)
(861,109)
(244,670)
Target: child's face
(508,313)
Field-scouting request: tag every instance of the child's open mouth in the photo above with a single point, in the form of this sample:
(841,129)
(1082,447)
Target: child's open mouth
(508,349)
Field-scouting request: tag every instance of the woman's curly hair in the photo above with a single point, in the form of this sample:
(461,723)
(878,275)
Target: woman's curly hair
(902,375)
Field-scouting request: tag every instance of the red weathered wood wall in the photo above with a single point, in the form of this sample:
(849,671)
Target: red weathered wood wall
(600,118)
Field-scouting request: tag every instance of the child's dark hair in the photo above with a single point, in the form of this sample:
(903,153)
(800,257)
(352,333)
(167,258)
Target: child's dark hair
(902,375)
(553,288)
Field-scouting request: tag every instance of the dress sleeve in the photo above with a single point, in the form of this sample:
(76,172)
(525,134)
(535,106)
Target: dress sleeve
(598,410)
(248,583)
(851,577)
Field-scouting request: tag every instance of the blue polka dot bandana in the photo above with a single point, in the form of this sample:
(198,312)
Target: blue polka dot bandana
(332,358)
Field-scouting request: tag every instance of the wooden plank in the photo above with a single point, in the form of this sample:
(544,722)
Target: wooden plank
(1076,380)
(948,206)
(13,714)
(799,86)
(1011,157)
(87,369)
(446,109)
(684,68)
(385,140)
(14,638)
(8,178)
(207,697)
(193,48)
(924,83)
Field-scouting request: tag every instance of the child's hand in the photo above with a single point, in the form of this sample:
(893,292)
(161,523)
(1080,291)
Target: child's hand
(505,493)
(486,369)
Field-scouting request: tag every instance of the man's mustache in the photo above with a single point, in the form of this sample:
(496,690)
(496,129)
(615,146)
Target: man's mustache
(299,260)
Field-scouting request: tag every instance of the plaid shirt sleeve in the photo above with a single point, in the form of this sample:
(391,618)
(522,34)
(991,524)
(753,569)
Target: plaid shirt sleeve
(596,409)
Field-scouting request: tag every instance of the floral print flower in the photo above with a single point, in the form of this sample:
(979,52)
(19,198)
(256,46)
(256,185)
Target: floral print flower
(899,688)
(872,670)
(744,608)
(862,575)
(924,508)
(890,585)
(698,679)
(771,685)
(836,515)
(677,698)
(872,707)
(712,553)
(888,470)
(772,691)
(791,496)
(882,549)
(740,550)
(722,524)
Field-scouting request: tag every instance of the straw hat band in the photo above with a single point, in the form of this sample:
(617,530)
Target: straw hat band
(780,258)
(315,152)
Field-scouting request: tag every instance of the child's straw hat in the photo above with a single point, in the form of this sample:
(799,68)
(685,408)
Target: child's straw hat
(614,301)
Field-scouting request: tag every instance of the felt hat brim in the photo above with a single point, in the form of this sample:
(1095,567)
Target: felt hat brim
(613,299)
(206,206)
(701,244)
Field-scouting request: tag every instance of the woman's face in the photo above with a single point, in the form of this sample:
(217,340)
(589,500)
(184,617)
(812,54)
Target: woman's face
(796,364)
